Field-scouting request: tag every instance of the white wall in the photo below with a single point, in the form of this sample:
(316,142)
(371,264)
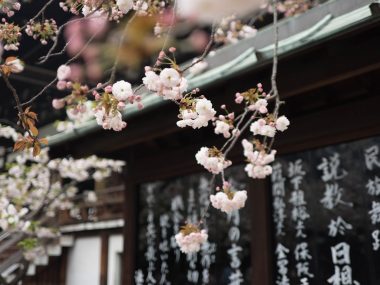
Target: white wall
(115,248)
(84,262)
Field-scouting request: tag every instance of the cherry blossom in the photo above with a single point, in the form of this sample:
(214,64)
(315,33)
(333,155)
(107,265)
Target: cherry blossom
(169,84)
(10,35)
(195,113)
(9,6)
(259,160)
(228,201)
(124,5)
(260,127)
(231,30)
(42,30)
(122,90)
(282,123)
(110,121)
(212,159)
(190,238)
(63,72)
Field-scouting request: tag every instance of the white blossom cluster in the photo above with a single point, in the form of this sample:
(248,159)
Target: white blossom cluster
(197,115)
(114,10)
(192,242)
(116,97)
(230,201)
(31,185)
(224,125)
(265,128)
(258,166)
(232,30)
(169,84)
(106,108)
(212,160)
(9,7)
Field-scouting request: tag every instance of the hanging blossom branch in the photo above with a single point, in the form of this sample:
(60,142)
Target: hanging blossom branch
(258,152)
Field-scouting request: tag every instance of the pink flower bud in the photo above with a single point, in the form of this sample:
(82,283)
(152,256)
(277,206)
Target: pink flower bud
(131,99)
(259,85)
(16,6)
(108,89)
(120,106)
(238,98)
(172,49)
(161,55)
(140,106)
(58,103)
(61,85)
(223,106)
(252,107)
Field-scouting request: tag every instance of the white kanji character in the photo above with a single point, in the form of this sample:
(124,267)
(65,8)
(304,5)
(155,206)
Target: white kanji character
(341,253)
(234,234)
(300,213)
(373,186)
(233,253)
(277,172)
(297,198)
(139,277)
(371,157)
(375,212)
(338,226)
(301,252)
(281,251)
(150,279)
(295,168)
(376,242)
(193,276)
(284,280)
(332,196)
(303,269)
(300,227)
(330,168)
(236,278)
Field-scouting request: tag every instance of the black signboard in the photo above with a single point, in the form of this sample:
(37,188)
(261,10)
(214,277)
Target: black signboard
(326,215)
(164,206)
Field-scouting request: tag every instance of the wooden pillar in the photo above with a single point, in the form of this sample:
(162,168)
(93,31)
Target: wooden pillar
(130,220)
(104,258)
(261,238)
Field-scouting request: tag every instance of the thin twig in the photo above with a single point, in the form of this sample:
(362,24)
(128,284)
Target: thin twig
(56,79)
(14,93)
(39,13)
